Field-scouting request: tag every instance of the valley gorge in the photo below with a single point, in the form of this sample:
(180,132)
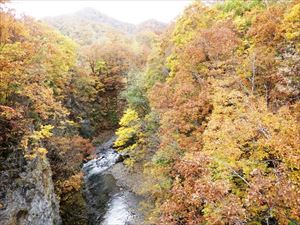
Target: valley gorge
(195,121)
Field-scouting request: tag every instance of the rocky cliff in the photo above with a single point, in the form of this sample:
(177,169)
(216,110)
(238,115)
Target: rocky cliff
(26,192)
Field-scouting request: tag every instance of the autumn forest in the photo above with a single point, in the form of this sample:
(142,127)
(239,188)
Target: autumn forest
(204,114)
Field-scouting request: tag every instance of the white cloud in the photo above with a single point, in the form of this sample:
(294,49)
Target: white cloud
(127,10)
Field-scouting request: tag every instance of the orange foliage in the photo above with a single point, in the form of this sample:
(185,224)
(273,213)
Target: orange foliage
(228,132)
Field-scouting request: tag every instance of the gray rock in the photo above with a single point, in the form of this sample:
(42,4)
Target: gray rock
(27,194)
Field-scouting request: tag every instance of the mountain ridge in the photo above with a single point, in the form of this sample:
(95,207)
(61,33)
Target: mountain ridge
(88,24)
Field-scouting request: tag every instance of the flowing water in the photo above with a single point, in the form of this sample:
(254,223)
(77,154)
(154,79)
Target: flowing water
(108,204)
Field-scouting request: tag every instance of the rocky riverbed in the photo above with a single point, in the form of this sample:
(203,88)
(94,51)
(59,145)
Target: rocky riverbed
(110,189)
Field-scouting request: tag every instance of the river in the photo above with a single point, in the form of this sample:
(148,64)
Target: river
(107,202)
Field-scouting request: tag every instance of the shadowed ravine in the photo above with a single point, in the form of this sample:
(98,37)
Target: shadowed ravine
(107,202)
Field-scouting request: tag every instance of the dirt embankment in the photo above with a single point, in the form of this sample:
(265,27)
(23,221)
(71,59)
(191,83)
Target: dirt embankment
(125,178)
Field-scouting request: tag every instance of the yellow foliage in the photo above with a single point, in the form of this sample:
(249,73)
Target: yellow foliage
(129,162)
(72,184)
(129,116)
(124,135)
(39,151)
(31,143)
(42,152)
(44,132)
(291,24)
(128,135)
(129,128)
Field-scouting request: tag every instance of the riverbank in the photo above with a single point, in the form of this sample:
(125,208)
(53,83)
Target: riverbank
(126,178)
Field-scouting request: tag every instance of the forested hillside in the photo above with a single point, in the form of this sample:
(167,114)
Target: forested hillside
(57,97)
(206,111)
(214,118)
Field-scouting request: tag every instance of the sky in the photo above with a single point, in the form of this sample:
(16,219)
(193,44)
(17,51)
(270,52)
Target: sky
(131,11)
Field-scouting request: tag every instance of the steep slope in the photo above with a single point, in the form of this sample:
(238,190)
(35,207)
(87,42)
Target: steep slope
(214,120)
(27,192)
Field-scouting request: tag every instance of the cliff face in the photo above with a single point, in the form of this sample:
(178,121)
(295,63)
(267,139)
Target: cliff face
(26,192)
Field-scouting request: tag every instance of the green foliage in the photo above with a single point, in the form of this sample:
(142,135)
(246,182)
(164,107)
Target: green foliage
(135,93)
(101,67)
(240,7)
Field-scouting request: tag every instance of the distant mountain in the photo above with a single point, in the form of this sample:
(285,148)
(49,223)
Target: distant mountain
(152,25)
(89,25)
(96,16)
